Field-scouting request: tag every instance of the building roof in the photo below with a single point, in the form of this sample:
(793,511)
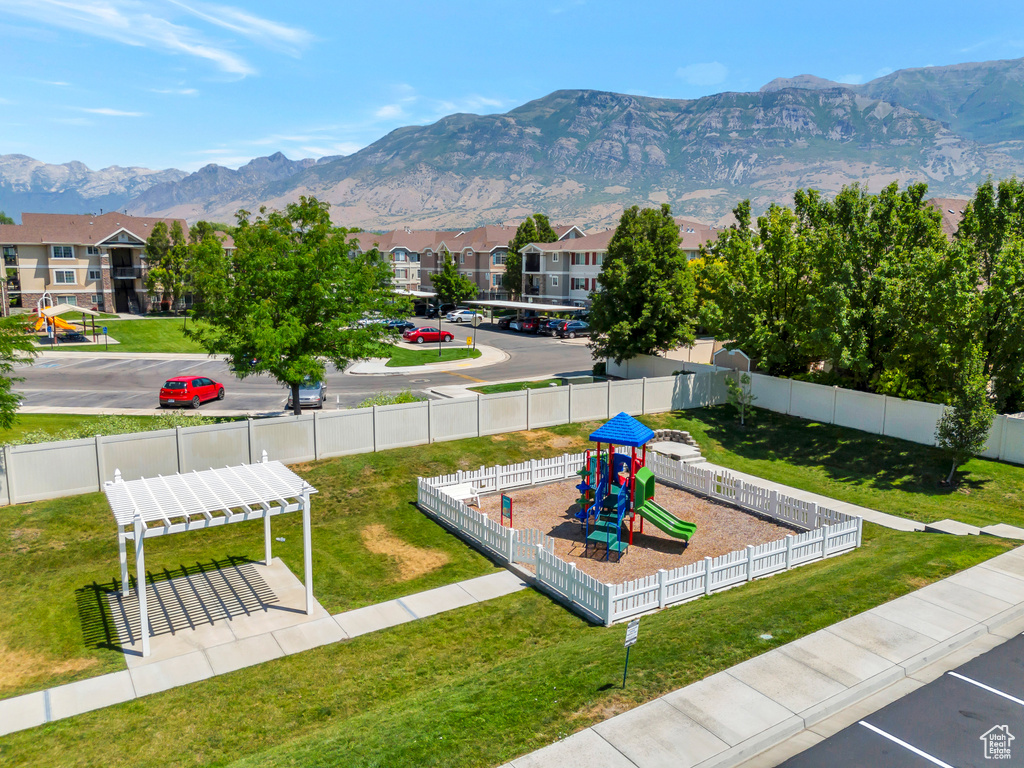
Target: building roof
(78,229)
(693,234)
(952,210)
(483,239)
(595,242)
(623,430)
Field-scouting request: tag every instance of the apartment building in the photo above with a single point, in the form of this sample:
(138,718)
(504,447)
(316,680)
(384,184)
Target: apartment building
(88,261)
(480,254)
(566,272)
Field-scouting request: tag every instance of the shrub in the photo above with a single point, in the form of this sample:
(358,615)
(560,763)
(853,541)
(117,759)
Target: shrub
(391,398)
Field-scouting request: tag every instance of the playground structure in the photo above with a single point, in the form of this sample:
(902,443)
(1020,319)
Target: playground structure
(618,486)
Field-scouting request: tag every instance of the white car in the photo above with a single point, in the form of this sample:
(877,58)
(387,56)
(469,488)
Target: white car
(460,316)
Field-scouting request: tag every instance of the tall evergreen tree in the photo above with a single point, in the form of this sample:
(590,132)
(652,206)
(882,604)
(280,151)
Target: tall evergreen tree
(533,229)
(451,286)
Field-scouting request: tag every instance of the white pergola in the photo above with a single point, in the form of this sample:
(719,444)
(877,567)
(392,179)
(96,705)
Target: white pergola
(158,506)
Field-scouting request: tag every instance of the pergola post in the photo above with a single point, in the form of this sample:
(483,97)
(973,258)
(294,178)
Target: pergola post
(122,554)
(140,585)
(307,552)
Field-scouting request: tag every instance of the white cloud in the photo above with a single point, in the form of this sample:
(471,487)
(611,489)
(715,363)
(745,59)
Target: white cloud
(175,91)
(389,112)
(704,73)
(108,112)
(145,23)
(850,79)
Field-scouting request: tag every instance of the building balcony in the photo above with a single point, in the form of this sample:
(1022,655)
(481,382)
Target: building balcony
(126,273)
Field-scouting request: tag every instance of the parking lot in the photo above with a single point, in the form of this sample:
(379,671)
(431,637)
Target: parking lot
(971,716)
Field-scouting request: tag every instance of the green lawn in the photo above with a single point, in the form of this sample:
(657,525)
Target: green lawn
(401,357)
(52,423)
(516,386)
(156,335)
(883,473)
(474,687)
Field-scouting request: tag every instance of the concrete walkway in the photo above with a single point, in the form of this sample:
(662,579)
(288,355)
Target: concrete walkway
(871,515)
(793,696)
(377,366)
(253,637)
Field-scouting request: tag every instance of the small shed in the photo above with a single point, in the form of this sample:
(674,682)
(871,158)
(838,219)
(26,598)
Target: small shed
(159,506)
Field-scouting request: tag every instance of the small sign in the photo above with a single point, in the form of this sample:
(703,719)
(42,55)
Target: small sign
(477,319)
(632,630)
(506,509)
(104,330)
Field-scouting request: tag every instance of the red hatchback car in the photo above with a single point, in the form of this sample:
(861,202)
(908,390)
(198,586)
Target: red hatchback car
(190,390)
(426,333)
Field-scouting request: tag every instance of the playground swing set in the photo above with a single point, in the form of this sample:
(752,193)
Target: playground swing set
(616,486)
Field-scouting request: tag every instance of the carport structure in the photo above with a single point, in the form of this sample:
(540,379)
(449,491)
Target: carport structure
(158,506)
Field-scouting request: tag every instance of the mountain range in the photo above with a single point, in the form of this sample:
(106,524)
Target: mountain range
(583,155)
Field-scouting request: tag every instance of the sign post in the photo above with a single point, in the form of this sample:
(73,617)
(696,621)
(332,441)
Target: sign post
(632,630)
(476,324)
(106,341)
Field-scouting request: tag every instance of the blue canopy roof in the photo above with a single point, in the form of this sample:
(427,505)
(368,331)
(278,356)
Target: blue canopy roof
(623,430)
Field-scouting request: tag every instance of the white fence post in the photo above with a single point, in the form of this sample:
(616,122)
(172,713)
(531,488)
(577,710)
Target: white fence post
(252,440)
(528,409)
(316,434)
(773,504)
(101,470)
(860,530)
(789,551)
(177,444)
(430,421)
(815,520)
(707,575)
(662,587)
(643,395)
(511,545)
(608,604)
(750,562)
(570,404)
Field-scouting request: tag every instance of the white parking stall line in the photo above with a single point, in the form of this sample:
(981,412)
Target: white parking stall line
(195,365)
(910,747)
(988,688)
(151,365)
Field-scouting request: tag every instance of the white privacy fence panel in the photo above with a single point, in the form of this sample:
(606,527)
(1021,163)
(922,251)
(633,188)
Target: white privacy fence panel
(548,406)
(145,455)
(860,410)
(659,394)
(1012,440)
(503,412)
(397,426)
(453,419)
(589,402)
(912,420)
(285,438)
(340,433)
(626,397)
(50,470)
(772,394)
(812,401)
(213,446)
(829,533)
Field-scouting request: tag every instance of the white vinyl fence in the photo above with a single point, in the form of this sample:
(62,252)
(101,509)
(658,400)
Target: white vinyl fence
(827,533)
(67,468)
(879,414)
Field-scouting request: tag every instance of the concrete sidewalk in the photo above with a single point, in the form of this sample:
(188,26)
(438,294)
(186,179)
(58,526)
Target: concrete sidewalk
(791,697)
(215,648)
(871,515)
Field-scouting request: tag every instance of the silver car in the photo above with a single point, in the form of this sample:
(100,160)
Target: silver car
(312,394)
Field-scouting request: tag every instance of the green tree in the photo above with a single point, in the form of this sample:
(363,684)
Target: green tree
(740,395)
(965,424)
(647,300)
(15,348)
(533,229)
(290,296)
(5,219)
(169,257)
(756,290)
(450,285)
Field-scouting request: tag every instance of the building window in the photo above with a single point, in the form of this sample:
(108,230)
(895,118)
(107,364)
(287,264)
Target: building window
(554,281)
(598,259)
(577,284)
(94,299)
(95,273)
(92,250)
(495,281)
(577,259)
(554,258)
(64,277)
(399,255)
(72,300)
(462,258)
(63,251)
(499,258)
(401,274)
(414,258)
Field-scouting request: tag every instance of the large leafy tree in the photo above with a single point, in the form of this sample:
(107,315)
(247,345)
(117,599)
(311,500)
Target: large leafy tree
(533,229)
(5,219)
(755,285)
(450,285)
(169,258)
(289,297)
(647,300)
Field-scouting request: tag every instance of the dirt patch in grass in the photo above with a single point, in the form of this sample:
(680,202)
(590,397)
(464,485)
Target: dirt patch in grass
(412,561)
(721,528)
(23,538)
(537,439)
(16,667)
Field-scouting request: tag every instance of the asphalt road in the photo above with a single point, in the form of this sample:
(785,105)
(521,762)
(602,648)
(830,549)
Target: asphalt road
(972,716)
(79,380)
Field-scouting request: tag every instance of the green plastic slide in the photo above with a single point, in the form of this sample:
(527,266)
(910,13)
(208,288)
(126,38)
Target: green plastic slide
(666,521)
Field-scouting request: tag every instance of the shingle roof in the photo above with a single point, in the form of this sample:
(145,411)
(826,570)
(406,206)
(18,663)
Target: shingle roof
(78,229)
(595,242)
(623,430)
(952,210)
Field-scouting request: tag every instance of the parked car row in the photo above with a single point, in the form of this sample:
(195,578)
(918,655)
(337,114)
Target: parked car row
(542,325)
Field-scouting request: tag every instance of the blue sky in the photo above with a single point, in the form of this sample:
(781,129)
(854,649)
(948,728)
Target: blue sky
(169,83)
